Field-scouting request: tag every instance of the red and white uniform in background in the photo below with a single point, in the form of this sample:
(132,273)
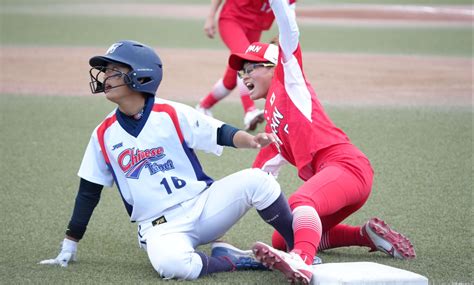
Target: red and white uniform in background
(252,15)
(240,23)
(337,175)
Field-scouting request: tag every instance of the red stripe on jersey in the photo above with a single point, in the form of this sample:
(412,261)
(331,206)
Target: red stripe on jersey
(100,135)
(174,117)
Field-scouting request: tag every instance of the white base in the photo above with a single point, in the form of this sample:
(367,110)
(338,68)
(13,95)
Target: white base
(364,273)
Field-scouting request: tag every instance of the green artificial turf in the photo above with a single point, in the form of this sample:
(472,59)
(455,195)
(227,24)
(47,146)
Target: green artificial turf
(82,30)
(422,158)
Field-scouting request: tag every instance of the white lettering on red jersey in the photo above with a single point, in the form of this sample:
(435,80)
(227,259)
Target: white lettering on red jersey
(292,110)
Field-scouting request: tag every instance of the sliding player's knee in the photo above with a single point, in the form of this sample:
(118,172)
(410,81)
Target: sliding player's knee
(173,263)
(300,199)
(263,189)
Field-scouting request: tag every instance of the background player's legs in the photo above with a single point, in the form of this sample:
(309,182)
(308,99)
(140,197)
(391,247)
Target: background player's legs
(234,37)
(237,40)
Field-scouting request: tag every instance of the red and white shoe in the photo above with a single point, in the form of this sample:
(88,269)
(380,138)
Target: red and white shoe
(386,240)
(252,119)
(203,110)
(290,264)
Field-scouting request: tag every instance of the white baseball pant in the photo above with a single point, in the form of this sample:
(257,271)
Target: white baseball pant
(171,245)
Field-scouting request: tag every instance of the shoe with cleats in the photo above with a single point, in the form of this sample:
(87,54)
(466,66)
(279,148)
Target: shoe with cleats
(290,264)
(386,240)
(241,259)
(252,119)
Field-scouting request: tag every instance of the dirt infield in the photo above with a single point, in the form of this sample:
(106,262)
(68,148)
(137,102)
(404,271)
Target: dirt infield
(189,74)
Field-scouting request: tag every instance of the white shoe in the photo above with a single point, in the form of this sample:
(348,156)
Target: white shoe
(290,264)
(386,240)
(202,110)
(252,119)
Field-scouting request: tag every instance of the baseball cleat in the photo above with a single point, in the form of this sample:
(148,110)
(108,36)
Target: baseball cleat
(290,264)
(202,110)
(252,119)
(386,240)
(241,259)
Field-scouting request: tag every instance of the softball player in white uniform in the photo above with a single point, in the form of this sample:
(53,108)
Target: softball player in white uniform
(146,147)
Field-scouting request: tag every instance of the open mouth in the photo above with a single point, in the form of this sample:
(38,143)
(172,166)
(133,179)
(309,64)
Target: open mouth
(107,88)
(250,86)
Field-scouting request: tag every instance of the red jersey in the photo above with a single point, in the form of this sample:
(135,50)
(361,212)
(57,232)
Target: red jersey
(294,113)
(251,14)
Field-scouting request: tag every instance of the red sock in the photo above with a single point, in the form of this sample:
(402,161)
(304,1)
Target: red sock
(307,230)
(208,101)
(247,103)
(343,235)
(218,92)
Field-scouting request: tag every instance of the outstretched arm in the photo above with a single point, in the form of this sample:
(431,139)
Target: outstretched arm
(87,199)
(228,135)
(287,26)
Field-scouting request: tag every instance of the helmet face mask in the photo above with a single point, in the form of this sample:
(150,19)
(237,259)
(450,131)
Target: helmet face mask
(100,74)
(145,67)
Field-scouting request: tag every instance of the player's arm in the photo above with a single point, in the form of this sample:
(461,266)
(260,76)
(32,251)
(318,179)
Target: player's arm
(289,33)
(228,135)
(87,199)
(210,24)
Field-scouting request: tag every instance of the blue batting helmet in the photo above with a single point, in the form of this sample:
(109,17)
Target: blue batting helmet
(146,67)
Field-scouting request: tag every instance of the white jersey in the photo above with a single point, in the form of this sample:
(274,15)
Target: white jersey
(154,165)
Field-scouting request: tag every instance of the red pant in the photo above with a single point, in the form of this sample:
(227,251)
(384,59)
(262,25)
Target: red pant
(341,185)
(237,39)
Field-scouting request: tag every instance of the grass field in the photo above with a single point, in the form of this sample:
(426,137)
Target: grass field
(422,156)
(423,187)
(49,30)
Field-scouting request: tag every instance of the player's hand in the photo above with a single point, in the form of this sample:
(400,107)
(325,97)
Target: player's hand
(67,254)
(264,139)
(210,27)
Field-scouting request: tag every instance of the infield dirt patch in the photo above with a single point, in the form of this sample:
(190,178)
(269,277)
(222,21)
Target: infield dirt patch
(189,74)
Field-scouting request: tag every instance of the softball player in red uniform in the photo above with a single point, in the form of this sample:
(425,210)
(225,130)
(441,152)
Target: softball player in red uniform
(146,146)
(338,176)
(241,22)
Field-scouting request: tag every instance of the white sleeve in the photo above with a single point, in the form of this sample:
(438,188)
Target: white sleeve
(93,167)
(286,20)
(199,131)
